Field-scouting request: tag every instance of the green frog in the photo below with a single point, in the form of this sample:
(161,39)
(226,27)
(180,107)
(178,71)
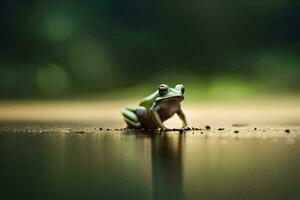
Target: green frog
(157,108)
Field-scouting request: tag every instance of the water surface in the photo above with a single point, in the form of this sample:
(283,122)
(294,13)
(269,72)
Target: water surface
(132,165)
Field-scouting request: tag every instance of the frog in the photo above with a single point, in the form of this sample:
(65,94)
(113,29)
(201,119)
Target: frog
(156,108)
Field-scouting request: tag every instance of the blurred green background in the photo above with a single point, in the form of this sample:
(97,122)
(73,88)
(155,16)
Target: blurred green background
(105,48)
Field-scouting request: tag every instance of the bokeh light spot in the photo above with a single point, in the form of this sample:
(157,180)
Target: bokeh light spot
(91,63)
(52,80)
(58,27)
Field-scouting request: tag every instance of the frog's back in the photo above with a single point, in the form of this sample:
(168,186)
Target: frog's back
(149,100)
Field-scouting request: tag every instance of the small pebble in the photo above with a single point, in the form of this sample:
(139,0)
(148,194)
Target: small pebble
(79,132)
(221,129)
(100,129)
(236,131)
(255,129)
(207,127)
(240,124)
(287,131)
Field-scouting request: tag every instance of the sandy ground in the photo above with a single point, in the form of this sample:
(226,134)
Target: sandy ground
(269,112)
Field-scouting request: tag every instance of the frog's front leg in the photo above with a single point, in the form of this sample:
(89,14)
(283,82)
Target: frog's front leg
(155,116)
(182,116)
(131,118)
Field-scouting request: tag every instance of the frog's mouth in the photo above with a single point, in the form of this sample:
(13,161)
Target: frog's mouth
(174,99)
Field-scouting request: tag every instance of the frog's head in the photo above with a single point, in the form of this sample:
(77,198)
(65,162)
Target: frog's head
(165,92)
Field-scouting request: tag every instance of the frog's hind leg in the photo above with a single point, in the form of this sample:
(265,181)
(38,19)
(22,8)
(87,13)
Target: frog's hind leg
(131,118)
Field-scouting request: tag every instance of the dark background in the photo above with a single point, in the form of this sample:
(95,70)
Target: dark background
(68,48)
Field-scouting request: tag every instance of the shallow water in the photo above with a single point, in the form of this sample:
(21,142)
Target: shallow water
(119,165)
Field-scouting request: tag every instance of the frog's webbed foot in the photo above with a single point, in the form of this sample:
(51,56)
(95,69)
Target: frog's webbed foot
(131,118)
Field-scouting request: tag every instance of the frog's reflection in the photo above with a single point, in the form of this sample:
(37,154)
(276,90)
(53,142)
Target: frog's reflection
(166,152)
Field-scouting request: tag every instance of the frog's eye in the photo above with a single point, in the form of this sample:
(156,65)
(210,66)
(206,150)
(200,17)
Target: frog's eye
(163,89)
(181,88)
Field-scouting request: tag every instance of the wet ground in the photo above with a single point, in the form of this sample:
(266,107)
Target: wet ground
(49,162)
(83,152)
